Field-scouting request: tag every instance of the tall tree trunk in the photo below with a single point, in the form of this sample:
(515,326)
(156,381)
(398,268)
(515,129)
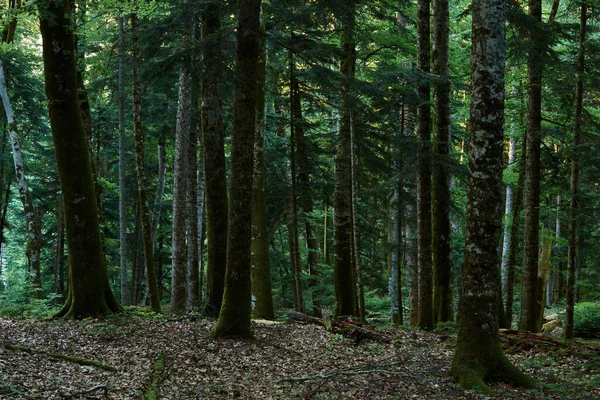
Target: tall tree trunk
(234,318)
(122,168)
(141,171)
(360,291)
(508,208)
(10,29)
(201,220)
(442,262)
(214,157)
(479,357)
(160,186)
(59,252)
(424,168)
(89,293)
(32,217)
(532,181)
(575,171)
(395,287)
(261,266)
(344,283)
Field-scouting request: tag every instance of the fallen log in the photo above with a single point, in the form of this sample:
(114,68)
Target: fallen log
(76,360)
(343,327)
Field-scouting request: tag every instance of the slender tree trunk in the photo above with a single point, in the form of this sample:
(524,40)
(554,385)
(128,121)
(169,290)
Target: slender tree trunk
(355,231)
(141,171)
(261,265)
(201,222)
(214,157)
(575,172)
(59,251)
(89,293)
(160,186)
(395,287)
(424,168)
(10,29)
(508,208)
(234,318)
(344,283)
(32,217)
(479,357)
(122,167)
(532,181)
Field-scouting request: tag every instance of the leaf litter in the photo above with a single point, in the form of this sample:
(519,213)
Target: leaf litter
(284,361)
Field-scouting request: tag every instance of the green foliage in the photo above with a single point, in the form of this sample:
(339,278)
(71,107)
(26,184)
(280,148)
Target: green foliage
(586,322)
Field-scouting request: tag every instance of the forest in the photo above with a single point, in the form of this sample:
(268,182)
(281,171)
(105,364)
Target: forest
(317,200)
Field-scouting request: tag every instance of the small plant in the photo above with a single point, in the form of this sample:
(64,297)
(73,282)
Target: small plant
(586,321)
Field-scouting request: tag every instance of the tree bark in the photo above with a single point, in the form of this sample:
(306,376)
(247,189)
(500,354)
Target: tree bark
(160,186)
(122,168)
(424,167)
(360,291)
(344,283)
(141,171)
(479,357)
(575,172)
(532,181)
(262,297)
(89,293)
(234,318)
(214,157)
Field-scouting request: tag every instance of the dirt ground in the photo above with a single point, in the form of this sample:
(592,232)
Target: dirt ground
(284,361)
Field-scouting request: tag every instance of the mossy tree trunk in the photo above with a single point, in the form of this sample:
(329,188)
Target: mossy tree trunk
(575,171)
(343,277)
(141,171)
(89,293)
(214,157)
(478,357)
(122,168)
(424,169)
(234,318)
(528,318)
(441,244)
(261,266)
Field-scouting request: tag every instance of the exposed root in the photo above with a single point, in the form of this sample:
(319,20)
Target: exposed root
(76,360)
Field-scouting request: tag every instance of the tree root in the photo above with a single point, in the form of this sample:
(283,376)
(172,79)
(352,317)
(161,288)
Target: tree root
(158,376)
(76,360)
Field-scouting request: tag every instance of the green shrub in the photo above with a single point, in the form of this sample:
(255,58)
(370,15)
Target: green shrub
(586,322)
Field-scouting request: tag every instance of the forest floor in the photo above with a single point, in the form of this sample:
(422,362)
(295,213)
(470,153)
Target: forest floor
(177,359)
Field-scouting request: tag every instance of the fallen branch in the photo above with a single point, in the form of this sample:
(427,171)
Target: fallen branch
(86,391)
(359,372)
(76,360)
(158,375)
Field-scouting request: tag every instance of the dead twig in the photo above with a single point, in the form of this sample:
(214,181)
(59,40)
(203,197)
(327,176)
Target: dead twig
(76,360)
(86,391)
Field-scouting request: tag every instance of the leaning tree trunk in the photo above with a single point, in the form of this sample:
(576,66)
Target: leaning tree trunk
(234,318)
(89,293)
(575,171)
(442,262)
(261,266)
(344,283)
(527,320)
(424,168)
(122,167)
(214,157)
(479,357)
(141,171)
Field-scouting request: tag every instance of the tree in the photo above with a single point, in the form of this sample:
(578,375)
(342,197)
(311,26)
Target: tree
(424,166)
(478,357)
(89,294)
(122,167)
(234,318)
(342,198)
(214,157)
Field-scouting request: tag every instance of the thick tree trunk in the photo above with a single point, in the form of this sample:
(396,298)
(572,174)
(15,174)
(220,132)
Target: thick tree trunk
(214,157)
(424,168)
(479,357)
(122,168)
(32,217)
(89,294)
(141,171)
(442,262)
(344,283)
(532,181)
(575,171)
(234,319)
(262,297)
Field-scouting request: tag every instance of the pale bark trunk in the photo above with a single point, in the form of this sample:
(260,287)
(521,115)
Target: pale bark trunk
(508,206)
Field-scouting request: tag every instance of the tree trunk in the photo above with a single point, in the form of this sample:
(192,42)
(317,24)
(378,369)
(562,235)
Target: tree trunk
(122,168)
(442,262)
(8,33)
(214,157)
(234,319)
(201,221)
(141,171)
(360,291)
(575,171)
(32,216)
(395,287)
(508,208)
(89,293)
(479,357)
(532,181)
(160,186)
(424,168)
(344,283)
(262,301)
